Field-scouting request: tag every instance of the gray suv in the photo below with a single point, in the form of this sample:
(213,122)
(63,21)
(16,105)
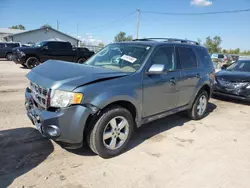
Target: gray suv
(120,88)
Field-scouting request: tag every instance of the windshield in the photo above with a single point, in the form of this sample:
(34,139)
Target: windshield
(243,66)
(40,44)
(122,57)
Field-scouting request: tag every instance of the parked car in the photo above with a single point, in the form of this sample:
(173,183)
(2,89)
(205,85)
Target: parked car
(234,81)
(6,49)
(235,58)
(120,88)
(57,50)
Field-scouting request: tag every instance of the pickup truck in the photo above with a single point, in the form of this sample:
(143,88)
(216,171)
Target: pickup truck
(55,50)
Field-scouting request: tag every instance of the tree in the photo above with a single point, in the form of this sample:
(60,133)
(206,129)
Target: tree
(101,45)
(122,37)
(46,26)
(213,45)
(20,26)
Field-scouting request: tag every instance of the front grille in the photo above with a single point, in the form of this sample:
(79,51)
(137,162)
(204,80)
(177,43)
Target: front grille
(231,85)
(39,94)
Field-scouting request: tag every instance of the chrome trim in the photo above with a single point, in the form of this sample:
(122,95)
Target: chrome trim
(39,94)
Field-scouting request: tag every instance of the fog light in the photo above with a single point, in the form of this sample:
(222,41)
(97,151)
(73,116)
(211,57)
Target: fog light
(53,130)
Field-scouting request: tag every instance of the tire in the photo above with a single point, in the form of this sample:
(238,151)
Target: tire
(9,56)
(24,65)
(199,108)
(106,122)
(81,60)
(32,62)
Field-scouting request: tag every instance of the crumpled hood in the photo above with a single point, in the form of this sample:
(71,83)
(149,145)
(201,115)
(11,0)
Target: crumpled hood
(233,76)
(67,76)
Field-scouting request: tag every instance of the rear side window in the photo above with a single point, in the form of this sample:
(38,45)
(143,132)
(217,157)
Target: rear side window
(64,46)
(12,45)
(186,58)
(204,58)
(220,56)
(54,45)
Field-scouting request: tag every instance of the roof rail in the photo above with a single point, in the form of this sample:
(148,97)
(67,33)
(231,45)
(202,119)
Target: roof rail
(169,40)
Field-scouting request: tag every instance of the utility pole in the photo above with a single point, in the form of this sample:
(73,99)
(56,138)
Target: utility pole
(138,23)
(77,30)
(57,25)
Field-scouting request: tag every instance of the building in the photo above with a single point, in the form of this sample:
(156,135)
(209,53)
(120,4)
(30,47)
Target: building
(41,34)
(6,32)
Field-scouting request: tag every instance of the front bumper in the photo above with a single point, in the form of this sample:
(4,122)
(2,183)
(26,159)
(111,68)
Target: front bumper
(18,59)
(64,125)
(239,94)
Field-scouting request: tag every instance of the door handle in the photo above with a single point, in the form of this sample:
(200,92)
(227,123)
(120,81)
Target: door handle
(173,80)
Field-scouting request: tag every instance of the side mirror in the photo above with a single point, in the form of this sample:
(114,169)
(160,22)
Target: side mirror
(156,69)
(45,48)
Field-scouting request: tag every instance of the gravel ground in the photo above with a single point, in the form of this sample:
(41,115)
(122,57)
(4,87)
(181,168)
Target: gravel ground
(172,152)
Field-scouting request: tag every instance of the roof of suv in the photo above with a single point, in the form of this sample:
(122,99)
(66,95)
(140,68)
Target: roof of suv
(155,42)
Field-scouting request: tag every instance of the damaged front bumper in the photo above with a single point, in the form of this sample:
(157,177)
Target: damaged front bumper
(241,93)
(64,125)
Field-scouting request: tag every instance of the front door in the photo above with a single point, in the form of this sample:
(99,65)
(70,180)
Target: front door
(159,91)
(190,74)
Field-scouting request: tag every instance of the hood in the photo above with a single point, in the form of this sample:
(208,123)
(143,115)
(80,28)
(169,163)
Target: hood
(25,48)
(67,76)
(233,76)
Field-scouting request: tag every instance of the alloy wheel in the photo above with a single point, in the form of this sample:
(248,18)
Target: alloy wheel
(115,133)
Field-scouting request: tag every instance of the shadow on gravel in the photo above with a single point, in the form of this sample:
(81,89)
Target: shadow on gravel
(227,99)
(21,150)
(153,129)
(150,130)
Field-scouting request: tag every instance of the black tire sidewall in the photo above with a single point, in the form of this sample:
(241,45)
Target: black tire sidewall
(82,58)
(99,127)
(194,113)
(28,64)
(9,56)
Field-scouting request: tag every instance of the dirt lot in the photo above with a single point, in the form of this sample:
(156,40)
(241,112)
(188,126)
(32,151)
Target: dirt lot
(172,152)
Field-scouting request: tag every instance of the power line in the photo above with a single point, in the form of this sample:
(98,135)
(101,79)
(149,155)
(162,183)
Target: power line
(196,14)
(115,21)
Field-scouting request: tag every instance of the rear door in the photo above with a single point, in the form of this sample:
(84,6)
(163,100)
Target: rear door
(190,74)
(61,51)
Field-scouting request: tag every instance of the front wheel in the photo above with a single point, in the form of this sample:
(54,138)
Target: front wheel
(32,62)
(199,108)
(111,132)
(81,60)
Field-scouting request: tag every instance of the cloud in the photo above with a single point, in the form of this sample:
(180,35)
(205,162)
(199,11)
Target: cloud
(201,3)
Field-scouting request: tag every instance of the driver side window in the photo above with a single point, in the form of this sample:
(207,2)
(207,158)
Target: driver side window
(166,57)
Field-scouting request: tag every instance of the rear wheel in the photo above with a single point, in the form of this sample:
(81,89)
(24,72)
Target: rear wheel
(111,132)
(32,62)
(81,60)
(9,56)
(199,108)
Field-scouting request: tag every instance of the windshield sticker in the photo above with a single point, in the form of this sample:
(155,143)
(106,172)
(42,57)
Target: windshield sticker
(128,58)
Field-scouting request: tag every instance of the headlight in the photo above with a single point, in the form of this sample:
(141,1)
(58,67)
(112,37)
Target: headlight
(248,87)
(21,53)
(64,98)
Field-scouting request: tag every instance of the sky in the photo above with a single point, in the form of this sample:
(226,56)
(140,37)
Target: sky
(95,18)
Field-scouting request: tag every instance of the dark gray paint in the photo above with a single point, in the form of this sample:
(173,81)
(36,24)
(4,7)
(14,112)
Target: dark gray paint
(153,96)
